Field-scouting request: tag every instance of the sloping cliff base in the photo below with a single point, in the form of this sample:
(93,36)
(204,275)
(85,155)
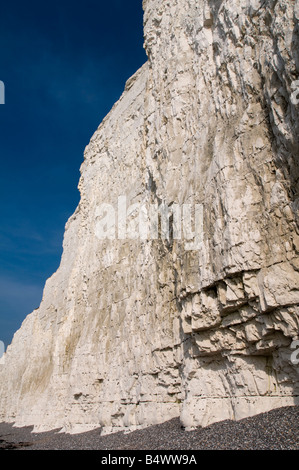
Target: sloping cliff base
(147,322)
(275,430)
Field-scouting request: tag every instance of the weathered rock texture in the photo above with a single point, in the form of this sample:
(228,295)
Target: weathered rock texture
(133,332)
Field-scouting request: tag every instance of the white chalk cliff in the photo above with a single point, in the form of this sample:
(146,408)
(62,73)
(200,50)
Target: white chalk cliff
(135,331)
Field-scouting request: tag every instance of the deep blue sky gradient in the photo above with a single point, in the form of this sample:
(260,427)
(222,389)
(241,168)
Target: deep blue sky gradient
(64,65)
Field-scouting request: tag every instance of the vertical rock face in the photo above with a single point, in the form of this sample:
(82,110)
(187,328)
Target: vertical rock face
(132,329)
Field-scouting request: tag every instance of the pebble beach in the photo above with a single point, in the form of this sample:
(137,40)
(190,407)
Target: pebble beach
(275,430)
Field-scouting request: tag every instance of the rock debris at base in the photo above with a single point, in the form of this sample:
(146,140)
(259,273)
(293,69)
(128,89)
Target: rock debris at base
(189,305)
(275,430)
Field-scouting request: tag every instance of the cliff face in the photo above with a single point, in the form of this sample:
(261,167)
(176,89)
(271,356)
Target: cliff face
(136,329)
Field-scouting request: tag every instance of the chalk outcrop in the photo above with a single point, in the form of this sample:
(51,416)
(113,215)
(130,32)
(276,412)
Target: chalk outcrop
(134,330)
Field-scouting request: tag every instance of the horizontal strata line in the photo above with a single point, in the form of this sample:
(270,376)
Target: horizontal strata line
(241,396)
(202,397)
(137,403)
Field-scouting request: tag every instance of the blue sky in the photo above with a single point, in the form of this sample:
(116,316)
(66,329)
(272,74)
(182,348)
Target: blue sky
(64,65)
